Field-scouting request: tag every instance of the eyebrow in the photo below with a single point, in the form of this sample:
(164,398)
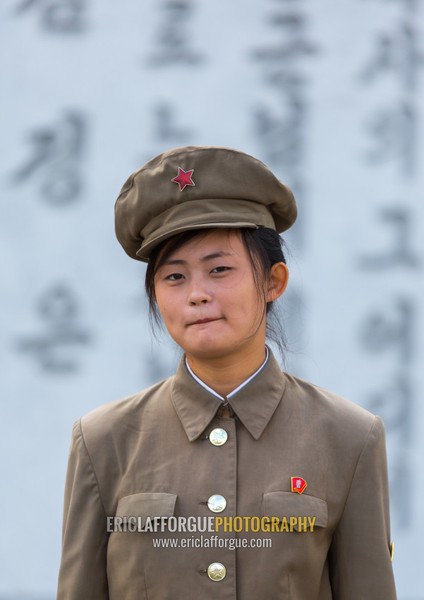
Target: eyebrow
(179,261)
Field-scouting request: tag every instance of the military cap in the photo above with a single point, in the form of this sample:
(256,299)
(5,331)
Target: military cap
(198,187)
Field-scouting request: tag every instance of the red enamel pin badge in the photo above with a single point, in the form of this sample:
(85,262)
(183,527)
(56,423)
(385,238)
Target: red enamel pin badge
(298,485)
(184,178)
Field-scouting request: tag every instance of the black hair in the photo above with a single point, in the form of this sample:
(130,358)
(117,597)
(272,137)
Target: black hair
(265,249)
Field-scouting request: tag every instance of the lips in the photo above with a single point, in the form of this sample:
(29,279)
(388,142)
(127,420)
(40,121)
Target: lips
(203,321)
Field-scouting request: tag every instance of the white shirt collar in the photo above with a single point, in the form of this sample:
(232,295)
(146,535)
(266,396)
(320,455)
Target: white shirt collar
(238,388)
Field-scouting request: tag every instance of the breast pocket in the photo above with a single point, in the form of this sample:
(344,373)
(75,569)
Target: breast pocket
(147,505)
(132,556)
(295,512)
(300,541)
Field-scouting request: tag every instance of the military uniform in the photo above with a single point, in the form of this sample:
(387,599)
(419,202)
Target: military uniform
(167,452)
(279,450)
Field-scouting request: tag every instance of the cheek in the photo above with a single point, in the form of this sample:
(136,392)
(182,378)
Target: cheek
(161,302)
(243,307)
(168,306)
(164,313)
(249,296)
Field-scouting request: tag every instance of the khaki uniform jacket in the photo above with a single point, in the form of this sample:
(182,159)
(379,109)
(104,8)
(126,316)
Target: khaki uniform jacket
(151,455)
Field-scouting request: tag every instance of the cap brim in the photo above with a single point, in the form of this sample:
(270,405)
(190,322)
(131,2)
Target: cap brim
(145,250)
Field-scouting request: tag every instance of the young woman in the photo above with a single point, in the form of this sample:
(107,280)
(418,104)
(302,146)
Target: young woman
(231,479)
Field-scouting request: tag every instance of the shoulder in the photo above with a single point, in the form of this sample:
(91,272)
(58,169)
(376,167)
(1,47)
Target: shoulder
(330,413)
(111,420)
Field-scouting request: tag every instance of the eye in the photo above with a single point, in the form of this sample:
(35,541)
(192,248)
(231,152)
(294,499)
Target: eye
(174,277)
(221,269)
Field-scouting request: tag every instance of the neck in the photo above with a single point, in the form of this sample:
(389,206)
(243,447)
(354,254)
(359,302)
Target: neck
(225,374)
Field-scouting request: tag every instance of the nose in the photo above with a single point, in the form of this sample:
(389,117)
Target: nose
(198,294)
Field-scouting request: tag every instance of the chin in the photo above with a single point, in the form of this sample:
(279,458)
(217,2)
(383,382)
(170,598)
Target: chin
(204,352)
(212,350)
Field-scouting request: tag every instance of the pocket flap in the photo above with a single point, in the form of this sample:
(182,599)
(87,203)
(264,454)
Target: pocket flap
(147,504)
(289,504)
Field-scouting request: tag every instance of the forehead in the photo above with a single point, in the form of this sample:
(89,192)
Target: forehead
(223,241)
(226,241)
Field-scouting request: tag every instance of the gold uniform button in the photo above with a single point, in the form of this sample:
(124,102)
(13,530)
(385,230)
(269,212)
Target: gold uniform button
(392,550)
(218,436)
(216,571)
(217,503)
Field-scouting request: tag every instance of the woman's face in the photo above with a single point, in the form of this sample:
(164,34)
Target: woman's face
(207,297)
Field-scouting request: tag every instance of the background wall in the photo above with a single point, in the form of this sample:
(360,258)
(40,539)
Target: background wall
(329,94)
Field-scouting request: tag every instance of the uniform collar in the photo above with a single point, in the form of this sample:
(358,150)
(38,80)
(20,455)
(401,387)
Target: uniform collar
(238,388)
(254,404)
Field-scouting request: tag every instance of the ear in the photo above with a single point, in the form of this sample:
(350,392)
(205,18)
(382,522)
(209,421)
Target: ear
(277,282)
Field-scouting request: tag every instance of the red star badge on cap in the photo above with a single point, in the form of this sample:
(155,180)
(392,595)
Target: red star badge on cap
(184,178)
